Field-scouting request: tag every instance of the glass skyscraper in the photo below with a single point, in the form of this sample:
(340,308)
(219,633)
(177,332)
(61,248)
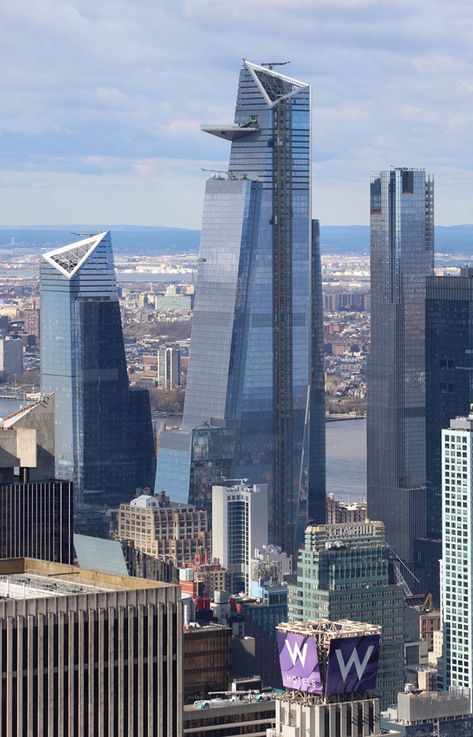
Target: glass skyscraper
(448,394)
(104,437)
(402,256)
(256,340)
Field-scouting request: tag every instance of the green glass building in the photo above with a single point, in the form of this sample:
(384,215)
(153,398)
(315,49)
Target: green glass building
(346,571)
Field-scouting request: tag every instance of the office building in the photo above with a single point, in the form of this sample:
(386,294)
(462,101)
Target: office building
(431,714)
(11,357)
(346,571)
(35,507)
(259,619)
(239,525)
(169,367)
(164,529)
(449,393)
(212,457)
(88,653)
(402,256)
(239,714)
(457,552)
(257,322)
(207,653)
(104,436)
(191,463)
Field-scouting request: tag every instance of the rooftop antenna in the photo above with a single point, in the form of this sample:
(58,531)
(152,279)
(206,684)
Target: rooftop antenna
(271,64)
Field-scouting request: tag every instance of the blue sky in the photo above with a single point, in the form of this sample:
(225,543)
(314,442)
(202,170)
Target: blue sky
(101,101)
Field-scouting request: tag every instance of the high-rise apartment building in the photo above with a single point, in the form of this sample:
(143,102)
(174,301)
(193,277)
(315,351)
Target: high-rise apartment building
(169,367)
(457,552)
(88,653)
(11,357)
(448,394)
(239,526)
(257,327)
(346,571)
(165,529)
(104,436)
(402,255)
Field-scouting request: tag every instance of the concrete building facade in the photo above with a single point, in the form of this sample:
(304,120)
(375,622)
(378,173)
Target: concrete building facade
(164,529)
(86,653)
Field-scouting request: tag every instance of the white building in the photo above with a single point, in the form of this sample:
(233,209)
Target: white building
(11,357)
(239,525)
(169,367)
(269,564)
(457,552)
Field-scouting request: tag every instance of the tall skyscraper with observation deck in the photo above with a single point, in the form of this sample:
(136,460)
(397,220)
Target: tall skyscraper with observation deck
(402,256)
(104,435)
(256,347)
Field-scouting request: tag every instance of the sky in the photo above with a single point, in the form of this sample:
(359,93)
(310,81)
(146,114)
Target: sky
(102,100)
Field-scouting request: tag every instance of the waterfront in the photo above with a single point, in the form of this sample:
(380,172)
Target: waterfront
(346,459)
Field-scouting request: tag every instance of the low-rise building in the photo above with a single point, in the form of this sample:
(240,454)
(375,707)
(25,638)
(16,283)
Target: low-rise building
(248,715)
(431,714)
(207,660)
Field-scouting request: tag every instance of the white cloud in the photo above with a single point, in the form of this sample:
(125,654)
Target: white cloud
(107,98)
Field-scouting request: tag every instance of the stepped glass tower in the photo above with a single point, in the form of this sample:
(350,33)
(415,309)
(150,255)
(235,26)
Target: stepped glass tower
(256,355)
(104,436)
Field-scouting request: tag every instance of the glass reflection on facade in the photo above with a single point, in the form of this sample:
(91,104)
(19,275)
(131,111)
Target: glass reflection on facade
(252,354)
(402,255)
(449,394)
(104,437)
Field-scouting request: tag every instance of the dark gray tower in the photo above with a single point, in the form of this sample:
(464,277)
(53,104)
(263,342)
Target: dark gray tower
(448,394)
(402,256)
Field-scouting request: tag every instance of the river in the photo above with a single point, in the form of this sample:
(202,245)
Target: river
(346,459)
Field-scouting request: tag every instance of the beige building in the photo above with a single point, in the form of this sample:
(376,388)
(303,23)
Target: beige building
(86,653)
(165,529)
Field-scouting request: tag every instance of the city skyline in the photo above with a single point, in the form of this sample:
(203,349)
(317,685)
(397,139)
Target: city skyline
(113,132)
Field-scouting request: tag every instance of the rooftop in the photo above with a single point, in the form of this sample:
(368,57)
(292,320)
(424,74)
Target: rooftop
(27,578)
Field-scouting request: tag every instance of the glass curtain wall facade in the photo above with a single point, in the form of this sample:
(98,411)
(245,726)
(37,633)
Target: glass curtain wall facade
(104,436)
(449,394)
(251,345)
(402,256)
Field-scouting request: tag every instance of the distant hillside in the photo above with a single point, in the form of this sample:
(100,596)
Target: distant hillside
(149,240)
(356,239)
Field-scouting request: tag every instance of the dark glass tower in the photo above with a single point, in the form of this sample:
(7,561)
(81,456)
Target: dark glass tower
(104,437)
(448,394)
(402,254)
(252,354)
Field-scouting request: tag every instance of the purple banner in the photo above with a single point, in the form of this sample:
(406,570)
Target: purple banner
(299,662)
(352,664)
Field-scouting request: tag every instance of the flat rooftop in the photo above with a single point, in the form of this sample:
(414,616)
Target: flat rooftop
(28,578)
